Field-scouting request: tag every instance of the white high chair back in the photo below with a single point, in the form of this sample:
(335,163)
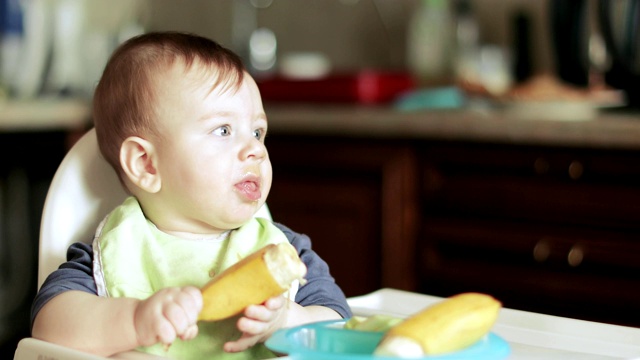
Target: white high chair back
(83,191)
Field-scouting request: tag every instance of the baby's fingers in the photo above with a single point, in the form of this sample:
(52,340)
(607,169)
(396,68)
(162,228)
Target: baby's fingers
(193,296)
(167,314)
(190,333)
(243,343)
(166,333)
(190,299)
(252,327)
(183,311)
(275,302)
(178,317)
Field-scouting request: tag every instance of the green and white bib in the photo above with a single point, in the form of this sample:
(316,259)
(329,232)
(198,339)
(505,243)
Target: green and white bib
(132,258)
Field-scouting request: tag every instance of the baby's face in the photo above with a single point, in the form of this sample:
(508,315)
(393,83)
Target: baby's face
(213,163)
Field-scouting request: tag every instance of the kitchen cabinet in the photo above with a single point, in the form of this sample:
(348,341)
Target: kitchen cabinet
(34,137)
(355,199)
(544,228)
(26,168)
(552,230)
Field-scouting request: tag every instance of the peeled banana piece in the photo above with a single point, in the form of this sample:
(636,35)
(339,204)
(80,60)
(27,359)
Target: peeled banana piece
(267,272)
(450,325)
(379,322)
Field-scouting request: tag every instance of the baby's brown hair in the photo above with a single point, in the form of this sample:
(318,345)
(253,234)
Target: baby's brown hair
(123,102)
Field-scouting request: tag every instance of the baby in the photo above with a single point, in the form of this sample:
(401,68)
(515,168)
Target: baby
(182,123)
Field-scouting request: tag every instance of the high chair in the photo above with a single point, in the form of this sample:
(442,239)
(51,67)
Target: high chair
(83,190)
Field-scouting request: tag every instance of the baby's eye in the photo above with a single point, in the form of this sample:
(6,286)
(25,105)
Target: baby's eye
(258,133)
(222,131)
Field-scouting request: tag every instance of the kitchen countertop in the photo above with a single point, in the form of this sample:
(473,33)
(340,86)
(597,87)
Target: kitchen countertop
(609,129)
(606,129)
(44,114)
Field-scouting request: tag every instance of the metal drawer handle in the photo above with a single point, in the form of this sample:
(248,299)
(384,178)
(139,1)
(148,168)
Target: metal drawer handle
(576,255)
(542,250)
(576,169)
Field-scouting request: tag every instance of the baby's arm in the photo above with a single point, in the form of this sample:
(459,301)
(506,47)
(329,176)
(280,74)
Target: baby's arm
(261,321)
(320,299)
(106,326)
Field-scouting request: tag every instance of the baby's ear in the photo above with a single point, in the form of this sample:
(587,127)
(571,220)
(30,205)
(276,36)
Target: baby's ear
(138,159)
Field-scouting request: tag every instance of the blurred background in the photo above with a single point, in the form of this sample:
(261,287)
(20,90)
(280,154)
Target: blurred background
(53,48)
(60,46)
(52,53)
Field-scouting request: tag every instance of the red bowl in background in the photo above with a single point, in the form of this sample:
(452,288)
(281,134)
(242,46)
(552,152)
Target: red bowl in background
(366,87)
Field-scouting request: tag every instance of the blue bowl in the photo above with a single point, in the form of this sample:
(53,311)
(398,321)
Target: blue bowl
(329,340)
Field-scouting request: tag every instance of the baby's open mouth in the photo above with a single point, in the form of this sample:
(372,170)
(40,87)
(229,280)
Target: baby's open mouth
(250,189)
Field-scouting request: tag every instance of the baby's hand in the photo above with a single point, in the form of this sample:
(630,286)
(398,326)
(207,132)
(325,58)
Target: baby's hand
(258,323)
(167,314)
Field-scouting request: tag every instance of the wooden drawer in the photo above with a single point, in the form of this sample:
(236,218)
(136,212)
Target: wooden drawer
(564,271)
(566,186)
(552,230)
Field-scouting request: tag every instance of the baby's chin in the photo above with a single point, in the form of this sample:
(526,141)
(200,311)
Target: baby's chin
(236,220)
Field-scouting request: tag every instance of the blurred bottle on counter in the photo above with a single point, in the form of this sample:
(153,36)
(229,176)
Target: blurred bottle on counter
(84,33)
(25,46)
(58,48)
(467,44)
(481,69)
(430,39)
(10,42)
(257,46)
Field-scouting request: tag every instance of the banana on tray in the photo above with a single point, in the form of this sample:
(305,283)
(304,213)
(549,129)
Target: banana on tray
(267,272)
(450,325)
(376,322)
